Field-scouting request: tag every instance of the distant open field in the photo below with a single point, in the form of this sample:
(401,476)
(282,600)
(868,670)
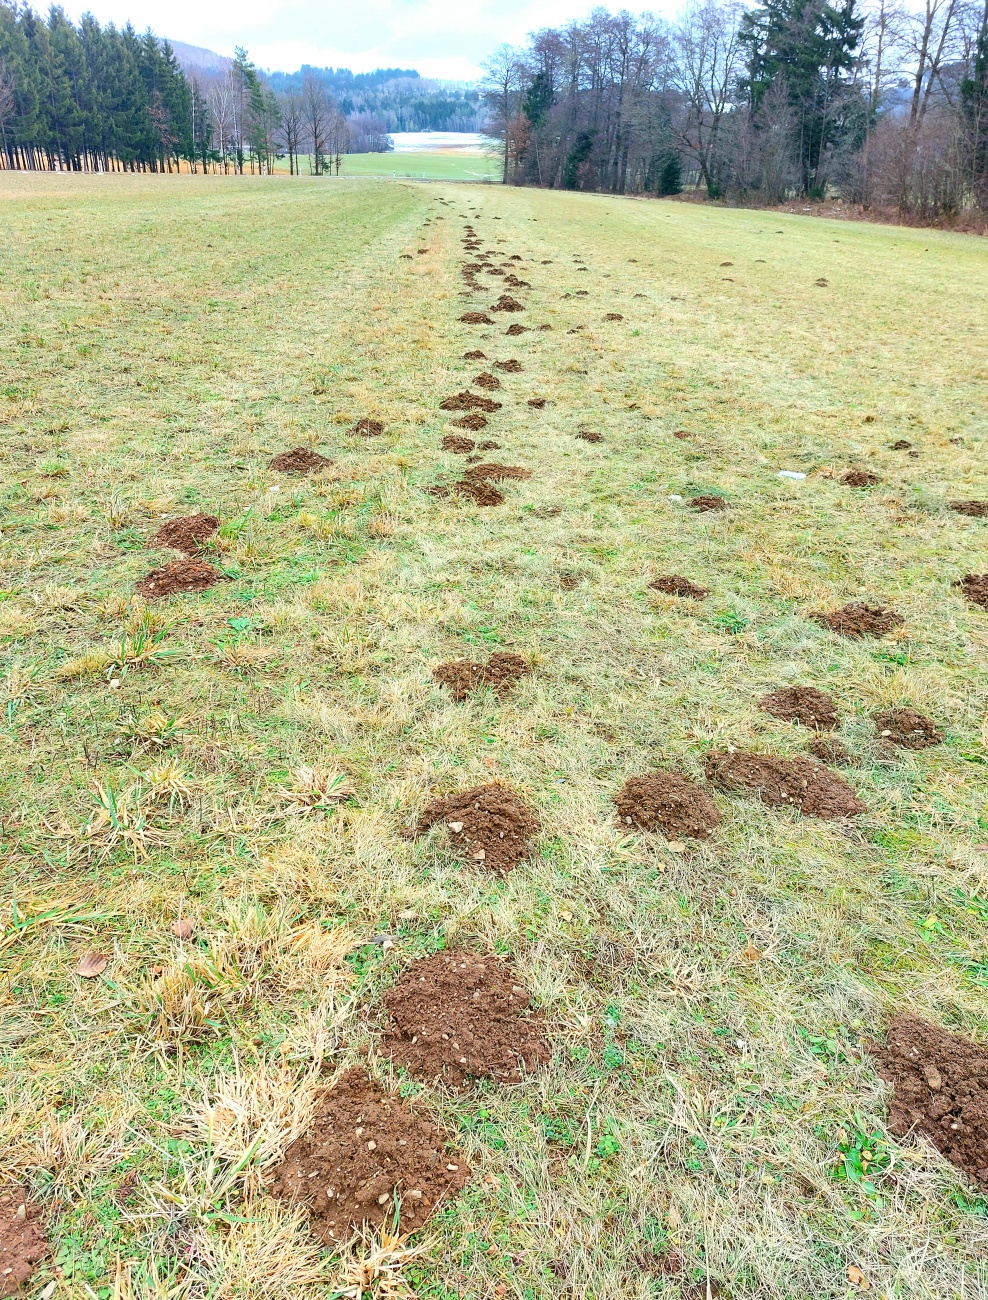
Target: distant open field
(428,164)
(212,800)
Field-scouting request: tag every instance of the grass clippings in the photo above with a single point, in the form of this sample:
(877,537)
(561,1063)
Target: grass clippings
(456,1016)
(785,782)
(830,750)
(667,802)
(489,825)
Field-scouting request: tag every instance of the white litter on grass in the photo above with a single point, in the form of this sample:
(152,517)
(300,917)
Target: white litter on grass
(674,497)
(790,473)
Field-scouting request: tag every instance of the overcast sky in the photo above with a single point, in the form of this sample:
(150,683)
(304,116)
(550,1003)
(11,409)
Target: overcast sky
(442,38)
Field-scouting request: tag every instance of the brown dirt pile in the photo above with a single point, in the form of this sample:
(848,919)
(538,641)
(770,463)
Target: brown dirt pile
(613,315)
(492,470)
(703,503)
(901,445)
(975,509)
(940,1083)
(516,328)
(472,421)
(301,460)
(23,1244)
(510,367)
(830,750)
(365,1150)
(500,672)
(975,587)
(474,354)
(859,619)
(467,401)
(489,445)
(489,824)
(457,1016)
(908,728)
(537,403)
(672,584)
(458,443)
(859,478)
(476,318)
(481,494)
(486,380)
(179,575)
(803,704)
(664,801)
(590,435)
(781,782)
(507,303)
(186,534)
(368,428)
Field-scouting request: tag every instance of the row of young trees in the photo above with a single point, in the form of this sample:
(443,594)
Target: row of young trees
(91,98)
(882,104)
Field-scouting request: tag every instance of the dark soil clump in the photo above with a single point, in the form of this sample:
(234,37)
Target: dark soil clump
(500,672)
(781,782)
(664,801)
(472,421)
(516,328)
(179,575)
(364,1151)
(859,478)
(704,503)
(368,428)
(901,445)
(940,1083)
(466,401)
(489,824)
(908,728)
(480,493)
(859,619)
(457,1016)
(507,303)
(537,403)
(186,534)
(829,750)
(486,380)
(803,704)
(493,470)
(23,1244)
(510,367)
(302,460)
(590,435)
(488,445)
(975,509)
(458,443)
(672,584)
(975,587)
(474,355)
(476,318)
(613,315)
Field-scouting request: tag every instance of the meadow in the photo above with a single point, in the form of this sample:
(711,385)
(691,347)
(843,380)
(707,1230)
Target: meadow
(213,868)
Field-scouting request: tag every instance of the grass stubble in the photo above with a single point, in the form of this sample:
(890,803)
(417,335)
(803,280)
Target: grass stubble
(214,791)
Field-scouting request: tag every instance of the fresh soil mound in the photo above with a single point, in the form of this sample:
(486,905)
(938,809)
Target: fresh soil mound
(476,318)
(901,445)
(365,1150)
(511,366)
(462,676)
(179,575)
(493,470)
(975,587)
(474,355)
(466,401)
(458,443)
(486,380)
(664,801)
(547,512)
(704,503)
(859,478)
(537,403)
(681,434)
(480,493)
(908,728)
(940,1083)
(515,283)
(302,460)
(488,445)
(489,824)
(613,315)
(186,534)
(457,1017)
(976,509)
(590,435)
(23,1244)
(507,303)
(368,428)
(472,421)
(859,619)
(516,328)
(672,584)
(830,750)
(781,782)
(803,704)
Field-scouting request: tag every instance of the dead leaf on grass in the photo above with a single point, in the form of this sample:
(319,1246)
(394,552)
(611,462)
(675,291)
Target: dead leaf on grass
(93,964)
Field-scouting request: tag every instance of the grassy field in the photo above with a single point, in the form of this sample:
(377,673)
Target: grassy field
(710,1009)
(432,165)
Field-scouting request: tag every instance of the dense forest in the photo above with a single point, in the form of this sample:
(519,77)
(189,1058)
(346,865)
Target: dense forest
(400,98)
(875,103)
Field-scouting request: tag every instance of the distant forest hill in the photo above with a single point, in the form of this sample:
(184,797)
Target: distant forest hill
(401,98)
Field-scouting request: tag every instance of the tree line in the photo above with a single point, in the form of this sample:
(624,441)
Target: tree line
(880,104)
(399,97)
